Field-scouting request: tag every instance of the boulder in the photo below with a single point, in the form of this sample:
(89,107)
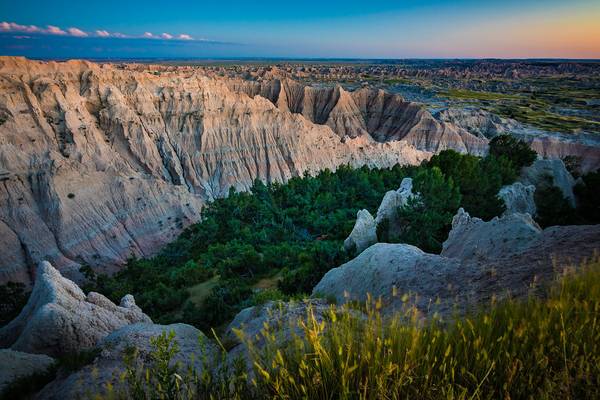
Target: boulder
(476,240)
(518,198)
(59,318)
(364,233)
(16,364)
(107,368)
(390,271)
(392,201)
(550,172)
(276,318)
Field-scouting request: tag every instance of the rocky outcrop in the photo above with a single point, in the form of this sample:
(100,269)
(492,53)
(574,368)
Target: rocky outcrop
(472,239)
(276,320)
(391,202)
(480,261)
(363,234)
(478,122)
(59,318)
(544,173)
(107,368)
(518,198)
(16,364)
(101,162)
(389,271)
(364,113)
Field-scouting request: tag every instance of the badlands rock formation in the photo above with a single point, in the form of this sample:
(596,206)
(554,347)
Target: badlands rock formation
(16,364)
(480,260)
(472,239)
(59,318)
(101,162)
(518,198)
(482,123)
(391,202)
(277,319)
(550,172)
(364,112)
(363,234)
(93,380)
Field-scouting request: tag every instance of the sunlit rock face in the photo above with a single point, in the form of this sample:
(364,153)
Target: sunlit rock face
(99,162)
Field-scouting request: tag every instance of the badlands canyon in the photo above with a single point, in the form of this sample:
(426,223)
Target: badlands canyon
(100,162)
(221,194)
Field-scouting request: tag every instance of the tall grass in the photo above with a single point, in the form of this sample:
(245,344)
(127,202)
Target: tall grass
(538,348)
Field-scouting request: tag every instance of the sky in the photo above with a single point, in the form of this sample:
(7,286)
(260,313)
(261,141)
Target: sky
(307,29)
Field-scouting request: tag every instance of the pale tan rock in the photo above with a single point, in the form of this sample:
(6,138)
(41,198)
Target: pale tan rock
(474,239)
(59,318)
(518,198)
(364,233)
(99,163)
(107,368)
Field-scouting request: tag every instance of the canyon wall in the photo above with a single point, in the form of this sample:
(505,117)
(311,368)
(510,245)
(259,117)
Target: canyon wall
(100,163)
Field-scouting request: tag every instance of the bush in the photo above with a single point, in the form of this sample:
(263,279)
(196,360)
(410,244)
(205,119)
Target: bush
(12,300)
(588,197)
(513,149)
(428,217)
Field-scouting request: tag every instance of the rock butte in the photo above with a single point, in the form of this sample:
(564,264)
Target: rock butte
(101,162)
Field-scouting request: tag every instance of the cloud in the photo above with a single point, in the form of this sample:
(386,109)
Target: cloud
(54,30)
(76,32)
(13,27)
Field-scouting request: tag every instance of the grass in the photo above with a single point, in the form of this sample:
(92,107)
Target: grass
(198,293)
(464,94)
(537,348)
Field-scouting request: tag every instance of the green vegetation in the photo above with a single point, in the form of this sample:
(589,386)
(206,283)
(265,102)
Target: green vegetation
(13,298)
(476,95)
(291,234)
(544,347)
(553,104)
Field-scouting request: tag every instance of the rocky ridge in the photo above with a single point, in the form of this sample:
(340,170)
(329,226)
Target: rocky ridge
(98,162)
(59,318)
(480,260)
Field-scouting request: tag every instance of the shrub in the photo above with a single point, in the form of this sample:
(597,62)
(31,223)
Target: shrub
(515,150)
(12,300)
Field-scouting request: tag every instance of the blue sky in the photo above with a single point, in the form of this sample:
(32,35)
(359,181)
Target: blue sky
(330,29)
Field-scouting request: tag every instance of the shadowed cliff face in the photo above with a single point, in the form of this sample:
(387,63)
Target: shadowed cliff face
(375,114)
(99,163)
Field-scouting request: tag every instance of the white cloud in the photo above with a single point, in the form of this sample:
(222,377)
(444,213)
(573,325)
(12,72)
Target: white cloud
(76,32)
(55,30)
(13,27)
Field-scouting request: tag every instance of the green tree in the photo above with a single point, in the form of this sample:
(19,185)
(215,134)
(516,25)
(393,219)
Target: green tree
(517,151)
(428,217)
